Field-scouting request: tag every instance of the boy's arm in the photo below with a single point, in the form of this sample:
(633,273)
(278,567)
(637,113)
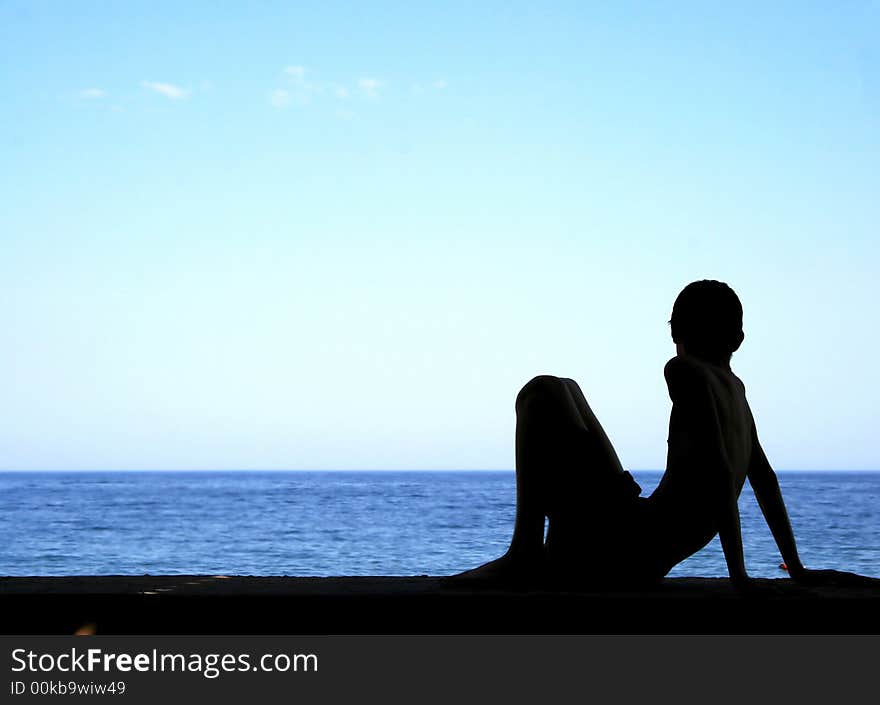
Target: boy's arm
(766,487)
(729,530)
(763,480)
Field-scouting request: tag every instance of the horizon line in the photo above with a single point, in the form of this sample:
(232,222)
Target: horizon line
(365,470)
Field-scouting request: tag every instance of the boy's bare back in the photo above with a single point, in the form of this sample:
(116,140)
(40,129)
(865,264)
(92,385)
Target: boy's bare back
(710,442)
(710,421)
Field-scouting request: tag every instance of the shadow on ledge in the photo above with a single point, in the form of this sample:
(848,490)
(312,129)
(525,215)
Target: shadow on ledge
(203,604)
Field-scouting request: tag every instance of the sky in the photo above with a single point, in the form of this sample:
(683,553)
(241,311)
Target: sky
(343,235)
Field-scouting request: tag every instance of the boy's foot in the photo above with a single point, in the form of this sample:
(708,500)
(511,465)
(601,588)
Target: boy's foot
(506,571)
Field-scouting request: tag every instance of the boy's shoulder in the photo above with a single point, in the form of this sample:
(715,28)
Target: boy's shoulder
(685,368)
(688,372)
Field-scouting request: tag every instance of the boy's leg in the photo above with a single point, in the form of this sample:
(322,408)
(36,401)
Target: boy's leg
(560,453)
(607,456)
(567,470)
(552,455)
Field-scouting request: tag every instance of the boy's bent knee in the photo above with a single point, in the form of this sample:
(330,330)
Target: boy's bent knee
(540,385)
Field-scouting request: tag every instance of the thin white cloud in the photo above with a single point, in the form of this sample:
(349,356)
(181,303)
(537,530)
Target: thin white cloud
(169,90)
(298,89)
(92,93)
(279,98)
(297,73)
(440,84)
(370,87)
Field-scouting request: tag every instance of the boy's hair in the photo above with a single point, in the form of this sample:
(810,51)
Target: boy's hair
(707,319)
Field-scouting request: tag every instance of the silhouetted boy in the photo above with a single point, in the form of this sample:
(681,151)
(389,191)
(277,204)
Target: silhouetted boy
(600,529)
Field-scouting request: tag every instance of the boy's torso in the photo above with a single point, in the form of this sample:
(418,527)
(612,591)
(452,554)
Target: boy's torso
(680,513)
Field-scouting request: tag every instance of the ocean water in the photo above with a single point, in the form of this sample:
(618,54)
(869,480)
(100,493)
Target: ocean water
(359,523)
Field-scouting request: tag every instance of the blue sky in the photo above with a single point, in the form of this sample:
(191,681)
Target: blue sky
(333,235)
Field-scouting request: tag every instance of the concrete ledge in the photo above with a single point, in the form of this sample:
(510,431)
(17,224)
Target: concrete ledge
(204,604)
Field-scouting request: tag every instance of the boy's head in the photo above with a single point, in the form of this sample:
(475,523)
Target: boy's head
(707,321)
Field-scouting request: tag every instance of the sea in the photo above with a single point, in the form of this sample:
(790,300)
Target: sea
(360,523)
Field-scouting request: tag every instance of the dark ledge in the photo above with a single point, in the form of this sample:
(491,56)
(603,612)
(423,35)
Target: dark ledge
(205,604)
